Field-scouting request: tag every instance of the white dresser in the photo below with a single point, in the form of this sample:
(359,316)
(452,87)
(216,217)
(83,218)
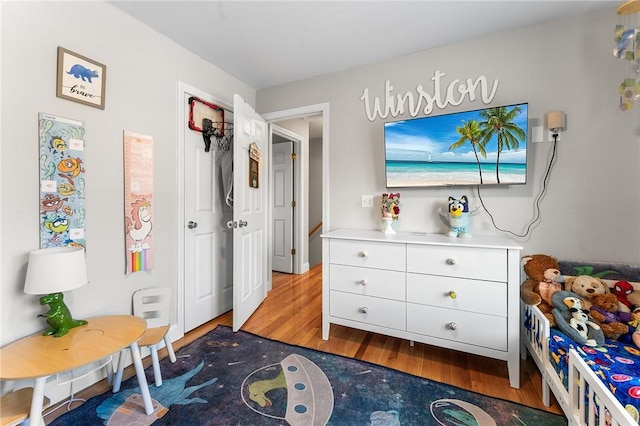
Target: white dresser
(461,294)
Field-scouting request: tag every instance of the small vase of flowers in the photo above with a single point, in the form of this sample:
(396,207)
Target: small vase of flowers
(391,205)
(390,209)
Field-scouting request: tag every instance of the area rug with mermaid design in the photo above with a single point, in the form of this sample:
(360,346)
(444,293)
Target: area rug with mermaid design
(227,378)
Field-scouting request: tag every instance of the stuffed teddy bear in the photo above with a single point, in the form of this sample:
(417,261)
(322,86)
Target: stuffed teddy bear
(574,321)
(604,311)
(457,216)
(586,287)
(543,274)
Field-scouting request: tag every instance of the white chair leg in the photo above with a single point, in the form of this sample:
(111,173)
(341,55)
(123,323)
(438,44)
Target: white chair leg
(156,365)
(117,380)
(167,343)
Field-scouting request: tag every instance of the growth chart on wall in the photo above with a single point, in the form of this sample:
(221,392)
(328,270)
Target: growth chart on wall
(62,181)
(138,203)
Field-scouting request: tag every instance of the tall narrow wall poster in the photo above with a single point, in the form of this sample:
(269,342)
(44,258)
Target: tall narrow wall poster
(138,193)
(62,181)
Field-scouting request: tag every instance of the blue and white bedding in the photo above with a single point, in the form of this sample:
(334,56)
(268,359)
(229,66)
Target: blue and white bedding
(616,363)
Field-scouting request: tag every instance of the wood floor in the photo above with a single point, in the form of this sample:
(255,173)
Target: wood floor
(292,312)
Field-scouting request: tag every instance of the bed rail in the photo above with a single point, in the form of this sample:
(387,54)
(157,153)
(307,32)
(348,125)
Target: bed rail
(592,403)
(588,401)
(536,332)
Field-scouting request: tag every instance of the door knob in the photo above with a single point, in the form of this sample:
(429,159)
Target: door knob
(192,225)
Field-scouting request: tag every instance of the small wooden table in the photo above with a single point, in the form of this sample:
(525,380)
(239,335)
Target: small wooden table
(39,357)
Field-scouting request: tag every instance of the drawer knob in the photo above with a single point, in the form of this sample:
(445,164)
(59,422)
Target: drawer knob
(451,261)
(363,254)
(363,282)
(452,326)
(364,309)
(452,294)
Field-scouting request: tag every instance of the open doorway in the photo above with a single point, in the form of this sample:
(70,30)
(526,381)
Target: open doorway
(284,199)
(305,135)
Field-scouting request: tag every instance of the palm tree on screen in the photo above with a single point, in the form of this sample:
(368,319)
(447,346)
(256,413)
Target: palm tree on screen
(472,133)
(499,121)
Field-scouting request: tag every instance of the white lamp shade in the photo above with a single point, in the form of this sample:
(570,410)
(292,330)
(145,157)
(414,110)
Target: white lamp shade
(555,120)
(56,269)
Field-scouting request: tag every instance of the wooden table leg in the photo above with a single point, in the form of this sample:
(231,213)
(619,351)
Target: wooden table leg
(35,415)
(142,378)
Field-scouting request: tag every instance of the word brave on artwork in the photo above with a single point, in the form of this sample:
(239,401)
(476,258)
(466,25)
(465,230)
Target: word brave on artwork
(80,90)
(454,94)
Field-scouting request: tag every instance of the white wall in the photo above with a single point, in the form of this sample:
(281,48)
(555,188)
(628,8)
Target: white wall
(315,199)
(143,70)
(592,208)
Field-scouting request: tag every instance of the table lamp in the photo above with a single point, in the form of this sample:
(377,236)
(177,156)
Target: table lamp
(50,272)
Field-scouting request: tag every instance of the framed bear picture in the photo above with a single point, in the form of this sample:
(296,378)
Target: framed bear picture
(81,79)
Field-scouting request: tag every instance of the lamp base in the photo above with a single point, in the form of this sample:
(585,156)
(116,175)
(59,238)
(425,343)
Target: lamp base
(58,317)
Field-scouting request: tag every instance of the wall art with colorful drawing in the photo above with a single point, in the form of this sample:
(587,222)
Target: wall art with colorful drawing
(62,181)
(138,203)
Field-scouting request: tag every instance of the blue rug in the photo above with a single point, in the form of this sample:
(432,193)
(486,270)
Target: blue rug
(227,378)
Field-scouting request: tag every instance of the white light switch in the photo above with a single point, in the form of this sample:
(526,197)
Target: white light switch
(536,134)
(367,201)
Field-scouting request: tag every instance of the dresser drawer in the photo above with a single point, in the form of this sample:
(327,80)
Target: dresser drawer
(380,312)
(367,253)
(487,331)
(458,293)
(464,262)
(368,282)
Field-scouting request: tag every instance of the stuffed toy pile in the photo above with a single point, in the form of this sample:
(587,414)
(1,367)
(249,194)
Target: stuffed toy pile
(583,307)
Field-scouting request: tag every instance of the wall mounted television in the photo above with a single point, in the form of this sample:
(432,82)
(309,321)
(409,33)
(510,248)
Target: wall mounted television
(460,148)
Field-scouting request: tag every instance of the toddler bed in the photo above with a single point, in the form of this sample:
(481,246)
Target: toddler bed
(593,386)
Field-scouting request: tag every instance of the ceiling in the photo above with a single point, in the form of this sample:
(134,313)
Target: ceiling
(268,43)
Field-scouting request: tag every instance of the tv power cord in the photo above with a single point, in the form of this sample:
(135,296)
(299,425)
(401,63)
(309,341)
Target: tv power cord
(545,182)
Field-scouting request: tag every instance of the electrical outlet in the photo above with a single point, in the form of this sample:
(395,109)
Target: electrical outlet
(367,201)
(550,136)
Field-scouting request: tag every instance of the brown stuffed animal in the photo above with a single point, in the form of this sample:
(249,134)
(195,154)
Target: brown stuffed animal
(604,311)
(542,272)
(586,287)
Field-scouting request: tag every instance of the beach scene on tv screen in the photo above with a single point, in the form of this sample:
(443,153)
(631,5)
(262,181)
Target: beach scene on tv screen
(481,147)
